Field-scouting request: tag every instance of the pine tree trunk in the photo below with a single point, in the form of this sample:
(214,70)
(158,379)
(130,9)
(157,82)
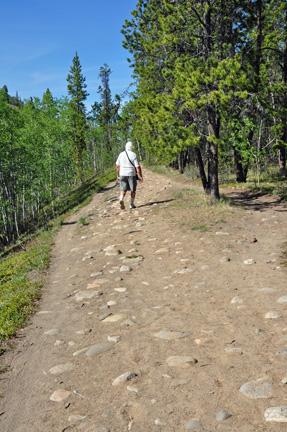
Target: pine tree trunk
(213,130)
(200,165)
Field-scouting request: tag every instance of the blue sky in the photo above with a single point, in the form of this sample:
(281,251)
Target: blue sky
(39,39)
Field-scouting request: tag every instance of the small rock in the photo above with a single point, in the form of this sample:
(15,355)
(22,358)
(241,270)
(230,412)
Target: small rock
(273,315)
(276,414)
(52,332)
(282,299)
(237,299)
(194,425)
(234,350)
(222,415)
(121,290)
(159,422)
(56,370)
(127,376)
(180,361)
(183,271)
(114,339)
(76,353)
(84,331)
(125,268)
(162,250)
(114,318)
(60,395)
(83,295)
(257,390)
(133,389)
(102,317)
(99,349)
(75,418)
(224,260)
(249,261)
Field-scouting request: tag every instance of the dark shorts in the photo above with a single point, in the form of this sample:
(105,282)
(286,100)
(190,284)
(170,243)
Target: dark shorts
(128,183)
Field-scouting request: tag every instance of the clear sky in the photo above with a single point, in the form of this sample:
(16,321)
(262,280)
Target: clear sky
(39,38)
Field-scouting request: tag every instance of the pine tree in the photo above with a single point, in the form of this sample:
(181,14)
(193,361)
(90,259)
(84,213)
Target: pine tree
(78,94)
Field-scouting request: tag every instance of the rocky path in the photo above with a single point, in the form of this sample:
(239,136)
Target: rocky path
(146,326)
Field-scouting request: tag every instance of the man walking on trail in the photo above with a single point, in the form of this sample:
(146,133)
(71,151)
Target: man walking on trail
(127,168)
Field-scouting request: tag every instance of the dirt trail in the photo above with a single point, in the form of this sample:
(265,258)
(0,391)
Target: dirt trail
(187,324)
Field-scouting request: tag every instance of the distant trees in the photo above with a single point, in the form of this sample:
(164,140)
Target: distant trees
(48,145)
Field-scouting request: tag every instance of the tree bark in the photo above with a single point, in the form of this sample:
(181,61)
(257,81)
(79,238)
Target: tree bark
(200,165)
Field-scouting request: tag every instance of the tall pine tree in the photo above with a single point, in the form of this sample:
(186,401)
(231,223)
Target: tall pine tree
(78,94)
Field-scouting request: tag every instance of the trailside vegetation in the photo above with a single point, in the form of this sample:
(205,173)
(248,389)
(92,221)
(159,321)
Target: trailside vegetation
(211,83)
(49,146)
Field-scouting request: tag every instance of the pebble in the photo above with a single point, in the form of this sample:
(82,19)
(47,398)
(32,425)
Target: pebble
(181,361)
(99,349)
(114,339)
(111,303)
(183,271)
(170,335)
(93,251)
(222,415)
(249,261)
(60,395)
(257,390)
(162,250)
(113,252)
(194,425)
(133,389)
(83,295)
(100,273)
(234,350)
(224,259)
(56,370)
(121,290)
(282,299)
(127,376)
(52,332)
(276,414)
(75,417)
(114,318)
(159,422)
(237,299)
(76,353)
(273,315)
(84,331)
(267,290)
(125,268)
(102,317)
(284,381)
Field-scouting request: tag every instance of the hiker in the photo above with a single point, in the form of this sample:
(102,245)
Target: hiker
(128,168)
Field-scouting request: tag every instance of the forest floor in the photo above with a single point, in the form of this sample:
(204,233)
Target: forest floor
(150,322)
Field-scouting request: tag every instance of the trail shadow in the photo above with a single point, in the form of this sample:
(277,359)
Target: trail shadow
(69,223)
(105,189)
(155,202)
(257,201)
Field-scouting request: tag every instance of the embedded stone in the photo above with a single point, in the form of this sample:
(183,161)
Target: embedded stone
(257,390)
(99,349)
(276,414)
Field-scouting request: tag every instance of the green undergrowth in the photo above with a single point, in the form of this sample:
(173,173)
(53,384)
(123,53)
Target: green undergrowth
(22,269)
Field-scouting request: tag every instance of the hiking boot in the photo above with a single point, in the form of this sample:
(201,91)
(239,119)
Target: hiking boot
(132,206)
(122,204)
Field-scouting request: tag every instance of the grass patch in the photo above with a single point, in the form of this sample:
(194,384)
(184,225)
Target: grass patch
(192,210)
(22,268)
